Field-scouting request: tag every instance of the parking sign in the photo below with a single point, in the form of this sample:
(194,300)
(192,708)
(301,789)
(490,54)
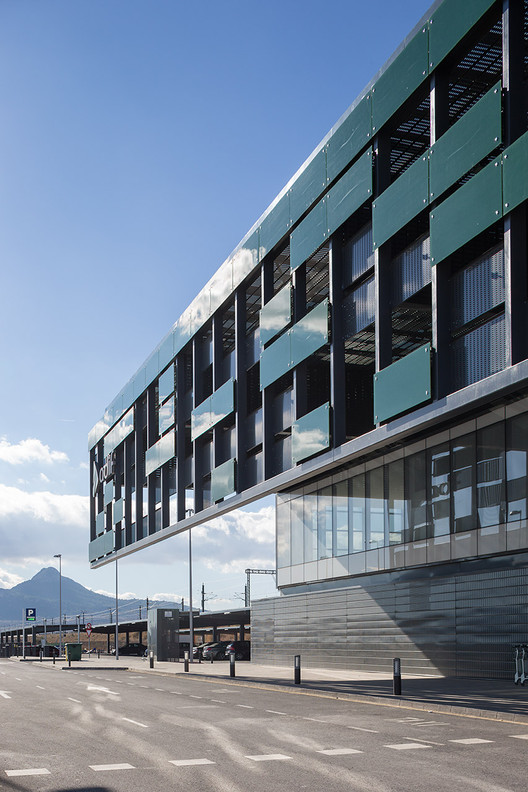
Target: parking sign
(31,614)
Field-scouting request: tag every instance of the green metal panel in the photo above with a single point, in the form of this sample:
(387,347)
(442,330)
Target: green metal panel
(403,385)
(275,360)
(118,511)
(400,202)
(223,480)
(463,146)
(349,138)
(311,433)
(275,225)
(308,186)
(309,334)
(223,401)
(166,384)
(275,315)
(350,192)
(400,80)
(515,173)
(201,419)
(465,214)
(449,23)
(309,235)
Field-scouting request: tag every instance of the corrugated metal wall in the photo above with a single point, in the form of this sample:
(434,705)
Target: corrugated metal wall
(446,621)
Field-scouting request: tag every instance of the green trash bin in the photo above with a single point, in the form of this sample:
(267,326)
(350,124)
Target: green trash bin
(73,651)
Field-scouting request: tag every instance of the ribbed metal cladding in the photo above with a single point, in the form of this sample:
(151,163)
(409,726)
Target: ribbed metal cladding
(479,353)
(477,288)
(359,308)
(452,623)
(358,257)
(411,270)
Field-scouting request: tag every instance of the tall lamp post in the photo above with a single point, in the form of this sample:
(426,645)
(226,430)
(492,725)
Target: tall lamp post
(59,556)
(190,512)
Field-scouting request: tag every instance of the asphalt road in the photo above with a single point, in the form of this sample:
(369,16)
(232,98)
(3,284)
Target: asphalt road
(116,730)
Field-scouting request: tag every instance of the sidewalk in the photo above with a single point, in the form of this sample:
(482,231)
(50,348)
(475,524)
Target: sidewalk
(485,698)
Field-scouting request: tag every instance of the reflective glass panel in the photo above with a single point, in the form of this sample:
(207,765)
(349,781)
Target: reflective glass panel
(415,497)
(491,489)
(309,334)
(357,513)
(439,489)
(275,315)
(310,527)
(166,384)
(375,508)
(463,483)
(324,522)
(341,518)
(283,531)
(166,415)
(297,530)
(516,467)
(396,501)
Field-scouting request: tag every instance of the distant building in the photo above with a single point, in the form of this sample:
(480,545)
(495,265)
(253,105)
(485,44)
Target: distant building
(364,354)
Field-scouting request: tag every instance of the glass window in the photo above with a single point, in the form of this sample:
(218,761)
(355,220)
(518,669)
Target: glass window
(463,483)
(438,489)
(310,527)
(283,532)
(166,383)
(324,522)
(415,497)
(356,491)
(297,530)
(341,518)
(491,495)
(166,416)
(396,501)
(375,509)
(517,445)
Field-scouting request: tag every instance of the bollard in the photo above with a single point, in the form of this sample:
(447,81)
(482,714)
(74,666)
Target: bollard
(297,669)
(231,664)
(151,658)
(186,661)
(53,658)
(211,658)
(40,655)
(98,654)
(69,661)
(396,674)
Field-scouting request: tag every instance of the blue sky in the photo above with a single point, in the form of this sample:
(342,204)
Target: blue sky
(139,142)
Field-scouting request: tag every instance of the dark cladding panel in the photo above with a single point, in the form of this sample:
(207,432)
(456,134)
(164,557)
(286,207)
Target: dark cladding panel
(403,385)
(401,202)
(449,23)
(349,138)
(308,186)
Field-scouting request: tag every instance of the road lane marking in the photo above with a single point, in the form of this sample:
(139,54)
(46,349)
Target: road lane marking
(76,700)
(407,746)
(123,766)
(4,693)
(339,751)
(274,712)
(18,679)
(315,720)
(217,701)
(33,771)
(160,690)
(136,723)
(519,736)
(244,706)
(472,741)
(176,692)
(40,687)
(196,697)
(101,689)
(360,728)
(417,739)
(268,757)
(190,762)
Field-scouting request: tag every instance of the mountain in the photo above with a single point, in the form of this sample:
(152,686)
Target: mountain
(42,593)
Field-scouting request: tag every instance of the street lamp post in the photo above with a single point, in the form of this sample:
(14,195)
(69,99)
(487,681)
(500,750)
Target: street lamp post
(59,556)
(190,512)
(78,628)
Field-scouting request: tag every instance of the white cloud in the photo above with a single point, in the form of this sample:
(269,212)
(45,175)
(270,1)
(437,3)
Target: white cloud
(167,597)
(43,477)
(8,580)
(45,506)
(28,451)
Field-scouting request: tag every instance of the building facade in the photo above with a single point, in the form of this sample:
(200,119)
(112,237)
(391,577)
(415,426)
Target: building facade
(363,354)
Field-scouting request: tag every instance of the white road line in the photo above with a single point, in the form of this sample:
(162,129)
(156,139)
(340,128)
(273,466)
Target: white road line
(339,751)
(471,741)
(143,686)
(131,683)
(407,746)
(33,771)
(274,712)
(244,706)
(519,736)
(360,728)
(102,690)
(196,697)
(268,757)
(4,693)
(18,679)
(136,723)
(40,687)
(160,690)
(176,692)
(315,720)
(76,700)
(123,766)
(417,739)
(217,701)
(190,762)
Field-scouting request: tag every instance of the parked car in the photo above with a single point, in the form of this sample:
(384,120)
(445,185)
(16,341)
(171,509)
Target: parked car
(136,649)
(215,651)
(242,650)
(198,650)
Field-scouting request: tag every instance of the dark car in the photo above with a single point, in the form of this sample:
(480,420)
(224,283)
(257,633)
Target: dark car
(242,649)
(136,649)
(215,651)
(198,650)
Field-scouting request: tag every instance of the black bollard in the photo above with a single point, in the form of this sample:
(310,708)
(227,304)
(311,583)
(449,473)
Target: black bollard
(40,655)
(396,676)
(53,658)
(151,658)
(69,661)
(297,669)
(186,661)
(231,664)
